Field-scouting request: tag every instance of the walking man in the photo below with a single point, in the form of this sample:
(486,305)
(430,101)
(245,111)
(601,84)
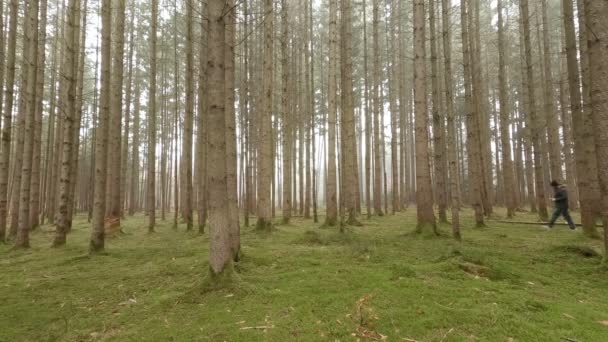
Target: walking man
(561,205)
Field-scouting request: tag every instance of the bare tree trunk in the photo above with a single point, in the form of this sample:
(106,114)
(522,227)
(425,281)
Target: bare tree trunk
(220,254)
(438,127)
(151,177)
(378,106)
(473,147)
(535,120)
(332,204)
(135,165)
(582,130)
(424,190)
(596,13)
(507,164)
(28,92)
(567,129)
(285,112)
(231,149)
(265,124)
(348,117)
(101,144)
(8,115)
(451,128)
(34,220)
(201,139)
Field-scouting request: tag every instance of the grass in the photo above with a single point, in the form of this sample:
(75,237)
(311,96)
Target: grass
(303,283)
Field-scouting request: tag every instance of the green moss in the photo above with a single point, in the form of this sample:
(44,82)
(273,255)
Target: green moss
(306,284)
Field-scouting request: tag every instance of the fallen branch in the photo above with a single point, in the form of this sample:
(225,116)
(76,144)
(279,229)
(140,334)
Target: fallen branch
(261,327)
(568,339)
(539,223)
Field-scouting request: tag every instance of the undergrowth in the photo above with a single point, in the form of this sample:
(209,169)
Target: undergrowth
(301,283)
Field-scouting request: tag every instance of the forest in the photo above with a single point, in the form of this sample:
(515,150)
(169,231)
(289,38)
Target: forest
(306,170)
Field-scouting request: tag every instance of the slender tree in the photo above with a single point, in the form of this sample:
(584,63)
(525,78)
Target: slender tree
(101,144)
(265,124)
(596,13)
(8,114)
(285,118)
(424,195)
(151,175)
(28,88)
(220,253)
(507,164)
(451,126)
(331,198)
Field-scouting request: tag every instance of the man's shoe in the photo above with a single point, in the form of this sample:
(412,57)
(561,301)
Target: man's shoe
(547,227)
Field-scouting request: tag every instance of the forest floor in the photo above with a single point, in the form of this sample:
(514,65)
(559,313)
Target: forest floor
(505,282)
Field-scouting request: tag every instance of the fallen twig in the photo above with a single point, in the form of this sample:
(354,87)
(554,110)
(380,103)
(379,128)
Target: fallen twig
(568,339)
(261,327)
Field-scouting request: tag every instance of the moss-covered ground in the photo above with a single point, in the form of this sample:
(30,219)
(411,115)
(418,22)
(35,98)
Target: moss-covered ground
(506,282)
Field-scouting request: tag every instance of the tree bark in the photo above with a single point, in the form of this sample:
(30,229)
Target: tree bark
(101,144)
(507,163)
(424,192)
(220,253)
(582,130)
(451,126)
(596,13)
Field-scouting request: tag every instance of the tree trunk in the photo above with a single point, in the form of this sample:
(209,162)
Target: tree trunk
(349,168)
(596,13)
(285,112)
(451,128)
(438,134)
(473,147)
(220,253)
(151,176)
(534,118)
(424,192)
(28,91)
(8,115)
(265,124)
(378,106)
(231,149)
(582,130)
(101,144)
(507,164)
(41,60)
